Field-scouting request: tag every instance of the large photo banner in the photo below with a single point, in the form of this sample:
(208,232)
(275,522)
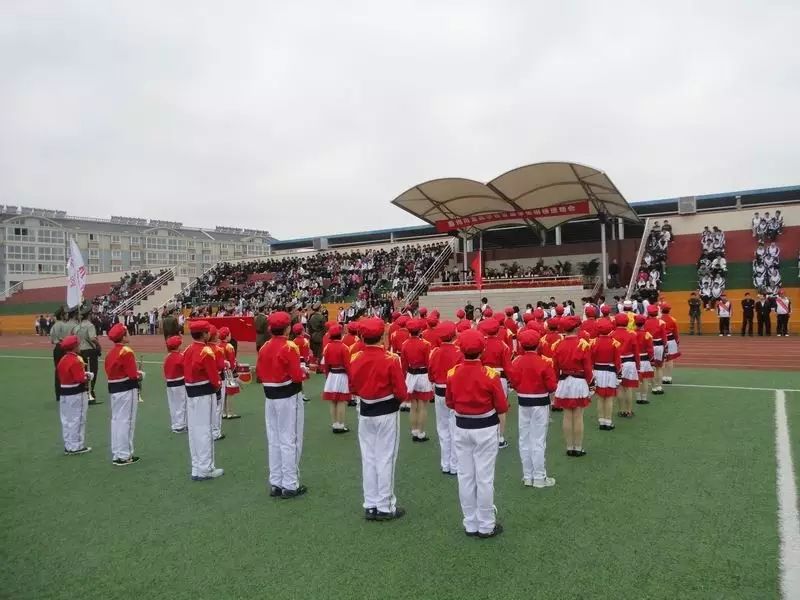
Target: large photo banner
(557,211)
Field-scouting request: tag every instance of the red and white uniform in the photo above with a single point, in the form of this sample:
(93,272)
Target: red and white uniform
(201,377)
(497,355)
(430,336)
(645,341)
(606,363)
(629,355)
(73,400)
(304,347)
(588,329)
(216,423)
(123,391)
(397,340)
(673,337)
(176,390)
(441,360)
(655,327)
(336,361)
(414,355)
(572,362)
(548,342)
(348,339)
(229,352)
(475,394)
(533,377)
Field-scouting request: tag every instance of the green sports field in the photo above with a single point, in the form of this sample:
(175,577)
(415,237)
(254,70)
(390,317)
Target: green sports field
(679,502)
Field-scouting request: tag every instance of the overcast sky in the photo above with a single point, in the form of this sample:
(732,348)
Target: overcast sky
(308,118)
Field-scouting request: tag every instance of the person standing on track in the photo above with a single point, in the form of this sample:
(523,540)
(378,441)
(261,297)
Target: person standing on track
(748,310)
(783,308)
(124,380)
(695,304)
(724,311)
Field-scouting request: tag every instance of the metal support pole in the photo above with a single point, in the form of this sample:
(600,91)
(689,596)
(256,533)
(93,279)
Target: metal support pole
(603,257)
(621,227)
(558,235)
(464,252)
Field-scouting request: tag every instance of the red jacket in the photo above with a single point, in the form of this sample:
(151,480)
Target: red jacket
(229,352)
(628,344)
(375,373)
(441,360)
(645,341)
(474,389)
(200,370)
(357,347)
(537,326)
(534,379)
(303,345)
(655,327)
(71,374)
(548,341)
(336,356)
(497,354)
(219,355)
(430,336)
(348,339)
(414,354)
(278,367)
(588,329)
(397,340)
(173,367)
(511,326)
(671,327)
(572,356)
(605,351)
(121,370)
(608,319)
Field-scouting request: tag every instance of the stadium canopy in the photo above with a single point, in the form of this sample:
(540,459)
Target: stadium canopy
(541,196)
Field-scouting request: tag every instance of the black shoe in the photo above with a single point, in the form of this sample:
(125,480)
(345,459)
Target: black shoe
(94,402)
(390,516)
(603,427)
(294,493)
(83,450)
(621,413)
(502,445)
(471,533)
(557,409)
(643,402)
(658,392)
(370,513)
(571,453)
(118,462)
(611,427)
(221,437)
(306,399)
(422,439)
(352,403)
(667,382)
(579,453)
(405,409)
(340,429)
(275,491)
(498,529)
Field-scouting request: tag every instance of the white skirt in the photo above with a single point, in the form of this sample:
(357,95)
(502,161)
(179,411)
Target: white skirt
(605,379)
(418,383)
(672,347)
(337,383)
(573,387)
(645,367)
(629,371)
(658,353)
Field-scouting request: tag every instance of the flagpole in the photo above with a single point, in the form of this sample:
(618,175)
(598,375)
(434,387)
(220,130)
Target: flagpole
(480,258)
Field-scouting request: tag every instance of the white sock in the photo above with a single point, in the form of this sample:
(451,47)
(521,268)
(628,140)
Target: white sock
(502,439)
(415,432)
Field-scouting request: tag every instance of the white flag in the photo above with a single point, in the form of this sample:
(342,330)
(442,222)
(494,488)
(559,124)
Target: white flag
(76,276)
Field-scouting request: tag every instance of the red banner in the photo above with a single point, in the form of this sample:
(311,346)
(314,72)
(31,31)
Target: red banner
(567,209)
(242,328)
(477,270)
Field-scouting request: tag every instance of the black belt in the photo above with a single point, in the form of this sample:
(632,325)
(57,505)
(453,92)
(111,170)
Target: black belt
(378,409)
(439,390)
(479,423)
(176,383)
(671,337)
(122,386)
(71,391)
(644,357)
(204,389)
(658,342)
(337,370)
(629,359)
(609,368)
(563,376)
(417,370)
(533,400)
(282,391)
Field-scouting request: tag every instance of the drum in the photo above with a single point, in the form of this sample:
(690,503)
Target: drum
(243,372)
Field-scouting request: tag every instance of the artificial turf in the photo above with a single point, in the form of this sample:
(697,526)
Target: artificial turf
(677,503)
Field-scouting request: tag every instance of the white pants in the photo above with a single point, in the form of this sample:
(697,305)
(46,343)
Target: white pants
(176,399)
(379,439)
(445,427)
(477,453)
(285,421)
(123,422)
(533,423)
(199,414)
(73,420)
(219,403)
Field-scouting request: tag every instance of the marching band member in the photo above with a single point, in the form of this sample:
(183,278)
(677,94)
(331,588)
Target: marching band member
(430,334)
(279,370)
(588,328)
(123,389)
(461,315)
(376,377)
(606,364)
(396,341)
(475,394)
(201,376)
(414,355)
(303,344)
(534,379)
(605,312)
(336,359)
(655,327)
(219,357)
(229,353)
(497,355)
(176,388)
(547,344)
(443,358)
(672,351)
(73,378)
(629,355)
(645,341)
(572,363)
(351,337)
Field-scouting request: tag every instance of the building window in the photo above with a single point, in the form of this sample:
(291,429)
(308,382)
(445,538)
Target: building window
(116,255)
(51,254)
(190,243)
(20,234)
(136,255)
(94,254)
(115,239)
(192,257)
(21,252)
(50,236)
(92,237)
(206,244)
(94,268)
(136,240)
(116,268)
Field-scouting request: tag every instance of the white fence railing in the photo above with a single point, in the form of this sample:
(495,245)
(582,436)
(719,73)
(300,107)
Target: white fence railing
(146,291)
(639,255)
(11,290)
(436,267)
(499,282)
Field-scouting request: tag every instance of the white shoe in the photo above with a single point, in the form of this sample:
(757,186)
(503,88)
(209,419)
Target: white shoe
(545,482)
(720,335)
(527,482)
(216,473)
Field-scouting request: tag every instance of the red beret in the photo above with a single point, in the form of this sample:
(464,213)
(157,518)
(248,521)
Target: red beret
(402,321)
(569,323)
(499,317)
(395,315)
(174,342)
(509,311)
(639,320)
(652,310)
(69,343)
(198,326)
(212,331)
(372,328)
(423,311)
(621,320)
(463,326)
(328,325)
(436,313)
(489,327)
(553,323)
(335,331)
(460,314)
(665,308)
(446,330)
(534,325)
(224,333)
(279,320)
(538,313)
(590,312)
(471,342)
(527,317)
(488,312)
(559,309)
(117,332)
(415,325)
(433,321)
(353,327)
(604,327)
(605,309)
(528,338)
(297,329)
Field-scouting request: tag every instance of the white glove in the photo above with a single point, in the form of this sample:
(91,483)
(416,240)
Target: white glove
(227,365)
(141,374)
(89,376)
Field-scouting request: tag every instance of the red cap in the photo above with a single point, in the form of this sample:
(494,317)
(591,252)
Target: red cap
(198,326)
(174,342)
(279,320)
(621,320)
(415,325)
(652,310)
(436,313)
(395,315)
(527,317)
(328,325)
(471,341)
(590,312)
(605,309)
(335,331)
(117,332)
(559,309)
(353,327)
(489,327)
(403,320)
(568,323)
(639,320)
(499,317)
(372,327)
(224,333)
(488,312)
(665,308)
(433,321)
(538,313)
(423,311)
(297,329)
(463,326)
(460,314)
(528,338)
(212,331)
(446,330)
(534,325)
(604,327)
(69,343)
(553,323)
(509,311)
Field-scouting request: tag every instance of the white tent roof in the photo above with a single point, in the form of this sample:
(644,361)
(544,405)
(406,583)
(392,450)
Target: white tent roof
(550,193)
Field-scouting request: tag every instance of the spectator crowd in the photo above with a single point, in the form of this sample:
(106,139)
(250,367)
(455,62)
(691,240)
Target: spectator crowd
(767,257)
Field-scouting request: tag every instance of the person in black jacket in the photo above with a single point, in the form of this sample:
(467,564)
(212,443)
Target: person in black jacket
(763,310)
(748,308)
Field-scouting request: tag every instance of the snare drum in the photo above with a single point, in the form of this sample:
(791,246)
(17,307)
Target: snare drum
(243,372)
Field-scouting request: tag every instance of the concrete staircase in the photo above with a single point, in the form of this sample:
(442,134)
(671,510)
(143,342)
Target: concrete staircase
(163,295)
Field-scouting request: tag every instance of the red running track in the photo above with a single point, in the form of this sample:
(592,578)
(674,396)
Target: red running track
(708,351)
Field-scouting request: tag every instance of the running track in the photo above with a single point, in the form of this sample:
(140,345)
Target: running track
(708,351)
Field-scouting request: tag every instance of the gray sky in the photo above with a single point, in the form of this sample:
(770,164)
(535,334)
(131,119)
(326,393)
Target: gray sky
(308,118)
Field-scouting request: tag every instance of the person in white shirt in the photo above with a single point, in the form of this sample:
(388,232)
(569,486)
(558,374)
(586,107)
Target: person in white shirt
(783,308)
(724,309)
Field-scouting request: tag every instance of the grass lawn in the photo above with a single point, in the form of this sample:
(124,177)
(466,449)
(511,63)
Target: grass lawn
(677,503)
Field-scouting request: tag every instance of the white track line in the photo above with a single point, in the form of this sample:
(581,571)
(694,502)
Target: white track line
(788,518)
(728,387)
